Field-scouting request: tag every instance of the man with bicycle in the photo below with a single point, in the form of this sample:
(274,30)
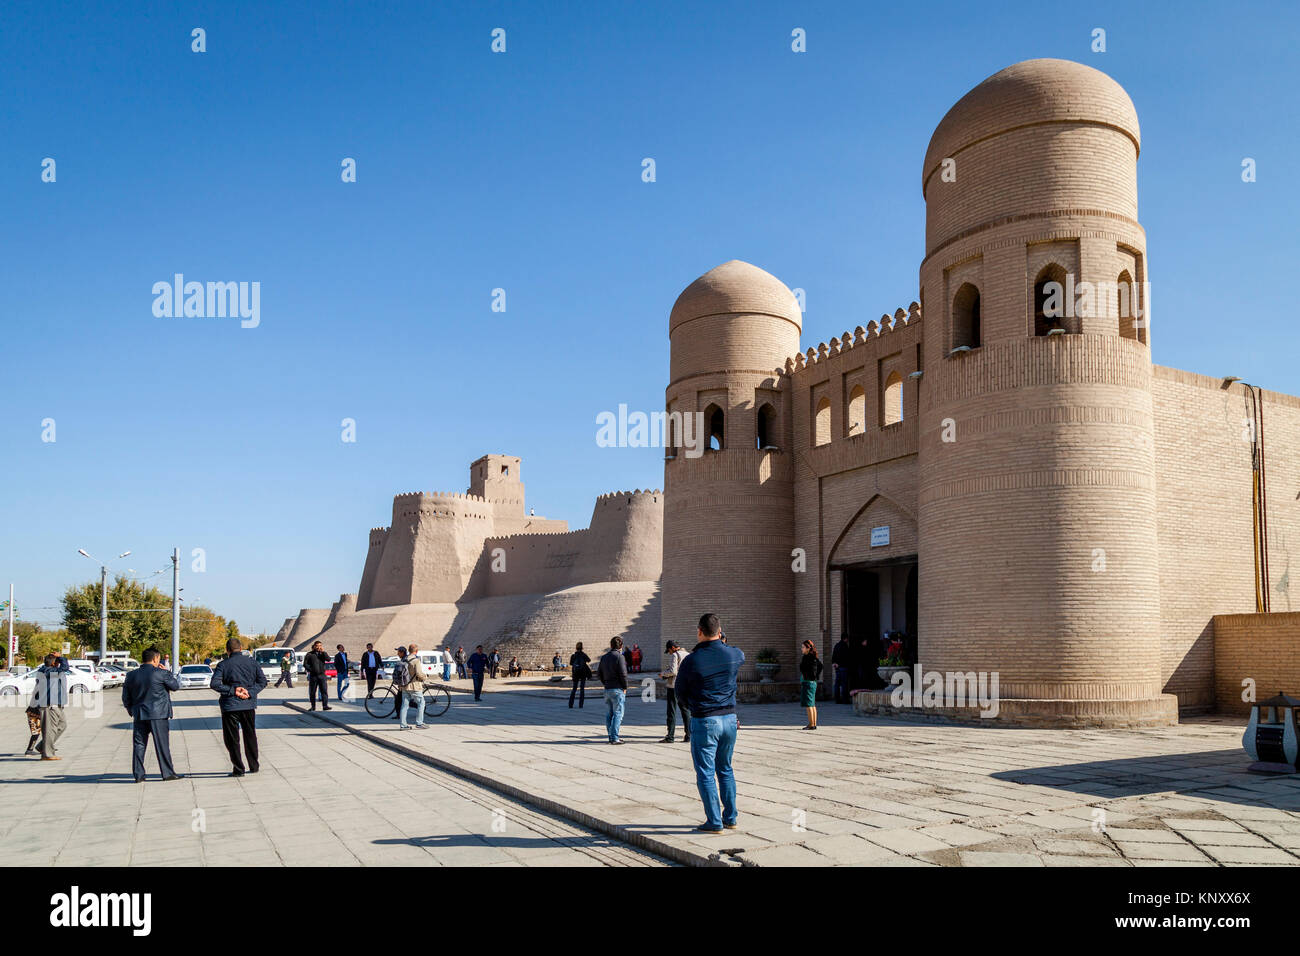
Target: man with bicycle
(412,689)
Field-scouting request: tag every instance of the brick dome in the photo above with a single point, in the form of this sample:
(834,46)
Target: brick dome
(735,287)
(1032,93)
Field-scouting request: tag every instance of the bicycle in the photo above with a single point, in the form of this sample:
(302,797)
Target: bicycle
(384,704)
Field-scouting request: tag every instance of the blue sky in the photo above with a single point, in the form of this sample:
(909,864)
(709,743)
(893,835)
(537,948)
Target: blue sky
(520,171)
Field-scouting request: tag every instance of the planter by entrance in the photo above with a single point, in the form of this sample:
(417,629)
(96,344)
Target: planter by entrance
(887,673)
(766,672)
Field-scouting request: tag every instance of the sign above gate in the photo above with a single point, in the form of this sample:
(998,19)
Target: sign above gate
(879,536)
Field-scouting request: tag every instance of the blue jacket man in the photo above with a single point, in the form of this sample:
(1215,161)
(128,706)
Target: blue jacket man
(147,697)
(478,663)
(239,679)
(706,689)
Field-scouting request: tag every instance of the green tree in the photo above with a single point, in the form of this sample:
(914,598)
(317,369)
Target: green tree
(203,633)
(138,617)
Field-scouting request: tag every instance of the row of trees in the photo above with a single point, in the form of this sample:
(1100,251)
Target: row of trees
(138,617)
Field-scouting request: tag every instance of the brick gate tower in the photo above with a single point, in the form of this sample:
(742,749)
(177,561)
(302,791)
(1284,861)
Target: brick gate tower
(729,509)
(1037,497)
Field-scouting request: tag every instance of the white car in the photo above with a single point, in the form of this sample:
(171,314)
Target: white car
(78,682)
(111,674)
(195,675)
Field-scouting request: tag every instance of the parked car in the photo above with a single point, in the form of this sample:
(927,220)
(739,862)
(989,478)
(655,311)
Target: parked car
(268,658)
(78,682)
(111,674)
(195,675)
(386,667)
(18,670)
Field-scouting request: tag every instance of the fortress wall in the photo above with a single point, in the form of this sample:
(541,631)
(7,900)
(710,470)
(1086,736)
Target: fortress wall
(1264,648)
(1204,479)
(374,554)
(431,548)
(285,630)
(310,622)
(624,543)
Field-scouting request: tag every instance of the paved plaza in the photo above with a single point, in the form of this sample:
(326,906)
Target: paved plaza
(862,791)
(536,784)
(323,797)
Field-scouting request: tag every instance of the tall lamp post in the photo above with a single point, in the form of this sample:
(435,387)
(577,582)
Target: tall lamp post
(103,599)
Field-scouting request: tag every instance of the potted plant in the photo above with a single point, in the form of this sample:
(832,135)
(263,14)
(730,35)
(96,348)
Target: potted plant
(767,664)
(893,661)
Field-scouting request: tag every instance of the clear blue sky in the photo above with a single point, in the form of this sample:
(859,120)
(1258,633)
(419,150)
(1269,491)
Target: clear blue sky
(519,171)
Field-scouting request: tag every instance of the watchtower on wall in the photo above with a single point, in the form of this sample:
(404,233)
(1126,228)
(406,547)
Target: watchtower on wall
(497,479)
(1037,498)
(728,501)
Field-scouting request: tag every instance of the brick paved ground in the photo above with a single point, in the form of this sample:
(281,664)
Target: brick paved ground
(323,797)
(883,791)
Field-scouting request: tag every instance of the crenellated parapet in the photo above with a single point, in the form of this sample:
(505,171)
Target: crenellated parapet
(886,328)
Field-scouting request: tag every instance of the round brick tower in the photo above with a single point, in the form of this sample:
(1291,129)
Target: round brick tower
(1037,519)
(729,510)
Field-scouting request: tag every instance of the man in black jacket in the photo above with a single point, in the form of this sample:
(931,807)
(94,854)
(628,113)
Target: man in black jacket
(612,671)
(239,679)
(370,667)
(315,664)
(840,662)
(146,695)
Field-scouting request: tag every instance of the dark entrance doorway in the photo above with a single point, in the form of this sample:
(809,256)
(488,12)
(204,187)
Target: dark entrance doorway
(861,622)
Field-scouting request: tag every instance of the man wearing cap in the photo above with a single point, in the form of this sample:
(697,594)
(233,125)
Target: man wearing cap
(674,656)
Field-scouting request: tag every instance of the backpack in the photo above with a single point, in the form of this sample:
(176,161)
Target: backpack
(401,675)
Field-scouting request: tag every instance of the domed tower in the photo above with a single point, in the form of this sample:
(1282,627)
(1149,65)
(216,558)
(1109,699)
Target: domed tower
(728,507)
(1037,513)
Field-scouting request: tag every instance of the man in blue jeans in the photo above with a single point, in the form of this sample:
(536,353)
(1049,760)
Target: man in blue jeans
(612,671)
(706,689)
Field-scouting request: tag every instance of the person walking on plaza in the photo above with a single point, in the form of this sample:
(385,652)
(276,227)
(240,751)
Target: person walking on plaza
(50,698)
(460,663)
(238,680)
(706,687)
(840,667)
(341,670)
(580,662)
(672,664)
(286,670)
(810,670)
(400,676)
(612,671)
(446,663)
(413,690)
(316,663)
(478,664)
(370,669)
(494,661)
(147,697)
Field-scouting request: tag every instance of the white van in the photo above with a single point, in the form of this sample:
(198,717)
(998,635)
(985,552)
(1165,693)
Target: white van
(432,661)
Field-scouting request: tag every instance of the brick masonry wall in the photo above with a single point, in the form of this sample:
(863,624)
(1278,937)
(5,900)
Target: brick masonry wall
(1264,648)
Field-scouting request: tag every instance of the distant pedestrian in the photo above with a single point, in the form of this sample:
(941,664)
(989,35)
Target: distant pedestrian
(557,662)
(50,698)
(316,662)
(34,729)
(370,668)
(581,674)
(613,674)
(515,668)
(706,686)
(627,658)
(810,669)
(478,665)
(341,670)
(840,666)
(286,670)
(494,661)
(400,676)
(238,680)
(413,690)
(460,663)
(672,664)
(446,663)
(636,658)
(147,697)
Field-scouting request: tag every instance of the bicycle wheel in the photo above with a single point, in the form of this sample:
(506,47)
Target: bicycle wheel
(436,701)
(382,705)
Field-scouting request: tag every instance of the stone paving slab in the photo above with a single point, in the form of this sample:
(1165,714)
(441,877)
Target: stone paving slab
(923,793)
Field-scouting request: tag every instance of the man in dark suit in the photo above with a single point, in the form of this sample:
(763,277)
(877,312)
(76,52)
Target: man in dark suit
(146,694)
(370,667)
(239,679)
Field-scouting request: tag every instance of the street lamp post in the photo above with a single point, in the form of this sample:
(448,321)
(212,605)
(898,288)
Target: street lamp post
(103,600)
